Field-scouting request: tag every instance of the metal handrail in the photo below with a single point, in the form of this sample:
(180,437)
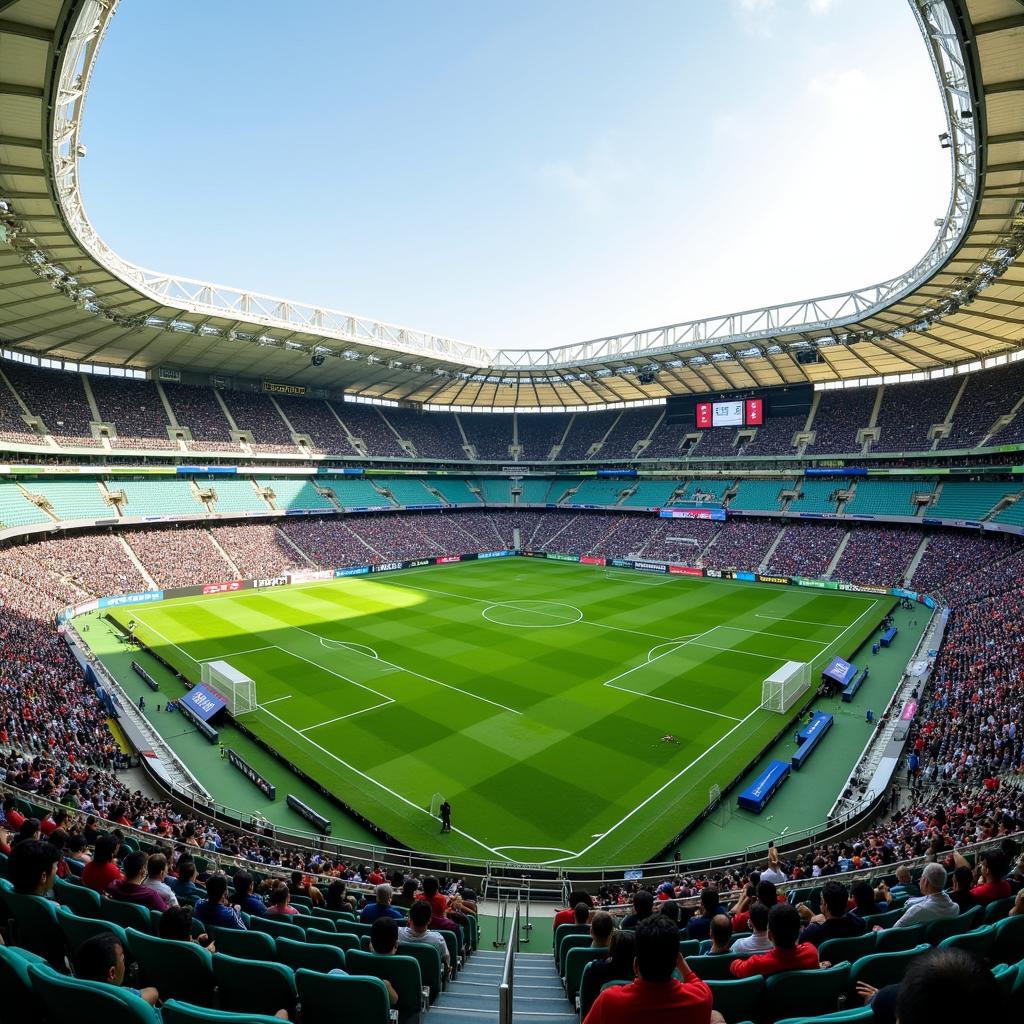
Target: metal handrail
(505,988)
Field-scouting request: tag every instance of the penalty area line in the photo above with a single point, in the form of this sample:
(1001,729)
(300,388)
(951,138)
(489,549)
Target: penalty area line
(351,714)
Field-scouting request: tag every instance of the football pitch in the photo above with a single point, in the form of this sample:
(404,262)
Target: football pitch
(571,714)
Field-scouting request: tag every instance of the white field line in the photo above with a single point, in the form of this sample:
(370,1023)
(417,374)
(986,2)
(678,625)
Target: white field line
(274,700)
(408,671)
(234,654)
(351,714)
(610,683)
(324,668)
(388,790)
(803,622)
(781,636)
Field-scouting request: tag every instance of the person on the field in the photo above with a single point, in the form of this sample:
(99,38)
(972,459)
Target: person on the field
(446,817)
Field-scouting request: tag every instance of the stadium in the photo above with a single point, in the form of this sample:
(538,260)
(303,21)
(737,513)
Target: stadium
(722,617)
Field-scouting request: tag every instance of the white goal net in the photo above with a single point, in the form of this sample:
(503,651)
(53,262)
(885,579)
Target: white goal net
(784,687)
(235,687)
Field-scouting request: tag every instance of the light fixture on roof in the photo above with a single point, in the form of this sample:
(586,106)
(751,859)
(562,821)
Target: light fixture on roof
(944,141)
(317,359)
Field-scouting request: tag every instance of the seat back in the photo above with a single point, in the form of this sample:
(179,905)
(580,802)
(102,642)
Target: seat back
(566,929)
(997,910)
(977,941)
(91,1000)
(805,992)
(738,999)
(1008,941)
(851,948)
(313,956)
(84,902)
(77,929)
(279,929)
(331,999)
(176,969)
(893,940)
(36,927)
(402,971)
(575,960)
(305,921)
(574,940)
(343,940)
(247,945)
(936,931)
(174,1012)
(16,984)
(334,915)
(859,1013)
(881,969)
(253,986)
(689,947)
(886,920)
(127,915)
(714,967)
(429,959)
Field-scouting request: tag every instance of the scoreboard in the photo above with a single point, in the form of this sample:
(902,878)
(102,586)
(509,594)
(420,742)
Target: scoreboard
(738,412)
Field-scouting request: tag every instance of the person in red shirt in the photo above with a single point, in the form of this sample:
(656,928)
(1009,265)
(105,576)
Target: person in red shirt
(103,869)
(787,954)
(656,996)
(15,819)
(992,884)
(567,916)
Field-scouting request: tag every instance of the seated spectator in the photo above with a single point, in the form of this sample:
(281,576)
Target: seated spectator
(33,867)
(963,882)
(301,886)
(721,934)
(338,899)
(581,914)
(419,930)
(215,909)
(156,875)
(567,916)
(699,927)
(620,964)
(243,896)
(787,954)
(757,941)
(381,906)
(643,907)
(131,889)
(407,897)
(933,904)
(101,958)
(176,923)
(865,900)
(602,927)
(433,895)
(655,995)
(384,941)
(834,922)
(905,884)
(53,822)
(103,869)
(763,892)
(184,883)
(76,851)
(991,883)
(773,872)
(279,902)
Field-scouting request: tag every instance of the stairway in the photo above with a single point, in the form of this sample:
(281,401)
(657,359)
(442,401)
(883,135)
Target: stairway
(538,997)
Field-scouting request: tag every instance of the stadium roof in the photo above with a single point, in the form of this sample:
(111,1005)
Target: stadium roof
(64,295)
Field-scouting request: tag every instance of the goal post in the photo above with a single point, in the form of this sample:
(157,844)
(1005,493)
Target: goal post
(435,804)
(784,687)
(235,687)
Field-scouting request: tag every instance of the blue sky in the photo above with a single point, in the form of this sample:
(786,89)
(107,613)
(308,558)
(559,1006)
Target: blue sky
(524,174)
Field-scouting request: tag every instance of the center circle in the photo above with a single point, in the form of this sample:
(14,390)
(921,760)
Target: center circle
(532,614)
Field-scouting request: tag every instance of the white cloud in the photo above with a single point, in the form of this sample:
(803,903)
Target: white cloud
(820,6)
(592,181)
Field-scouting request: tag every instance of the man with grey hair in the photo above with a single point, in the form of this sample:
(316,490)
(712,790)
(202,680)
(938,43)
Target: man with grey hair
(381,906)
(933,904)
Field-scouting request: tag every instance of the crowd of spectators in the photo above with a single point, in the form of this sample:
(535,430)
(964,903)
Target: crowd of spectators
(988,395)
(178,556)
(587,429)
(315,419)
(364,423)
(85,562)
(806,549)
(775,436)
(199,411)
(59,399)
(633,426)
(256,413)
(434,435)
(838,418)
(538,433)
(135,409)
(489,433)
(909,411)
(12,426)
(258,549)
(877,555)
(742,543)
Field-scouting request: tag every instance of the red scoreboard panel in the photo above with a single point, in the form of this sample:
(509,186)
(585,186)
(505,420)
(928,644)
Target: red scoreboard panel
(730,414)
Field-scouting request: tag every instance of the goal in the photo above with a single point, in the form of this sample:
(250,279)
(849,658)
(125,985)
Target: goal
(235,687)
(435,805)
(784,687)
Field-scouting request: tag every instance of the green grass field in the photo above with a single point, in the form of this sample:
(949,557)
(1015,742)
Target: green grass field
(532,694)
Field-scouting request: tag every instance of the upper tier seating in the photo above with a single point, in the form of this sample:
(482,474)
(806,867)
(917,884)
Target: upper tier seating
(12,426)
(909,411)
(539,433)
(257,413)
(314,418)
(364,423)
(199,411)
(57,397)
(839,416)
(587,429)
(988,395)
(762,495)
(157,497)
(434,435)
(135,409)
(633,426)
(292,492)
(489,433)
(886,497)
(961,500)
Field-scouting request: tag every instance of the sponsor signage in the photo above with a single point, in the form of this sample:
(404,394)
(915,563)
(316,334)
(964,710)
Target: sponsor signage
(119,600)
(273,581)
(223,588)
(309,577)
(840,670)
(145,676)
(274,388)
(856,588)
(622,563)
(354,570)
(446,559)
(563,558)
(204,727)
(715,574)
(715,513)
(749,577)
(685,570)
(803,581)
(771,579)
(318,821)
(505,554)
(651,566)
(204,701)
(418,562)
(251,774)
(388,566)
(591,560)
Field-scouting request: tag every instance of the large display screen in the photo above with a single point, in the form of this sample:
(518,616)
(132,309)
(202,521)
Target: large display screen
(736,412)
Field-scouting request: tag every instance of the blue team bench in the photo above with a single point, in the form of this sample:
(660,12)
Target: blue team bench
(756,796)
(855,684)
(889,635)
(809,737)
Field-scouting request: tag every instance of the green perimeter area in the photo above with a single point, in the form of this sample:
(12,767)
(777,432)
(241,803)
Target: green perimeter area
(807,796)
(532,694)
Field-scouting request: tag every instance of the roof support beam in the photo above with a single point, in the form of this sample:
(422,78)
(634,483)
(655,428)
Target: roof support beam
(14,28)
